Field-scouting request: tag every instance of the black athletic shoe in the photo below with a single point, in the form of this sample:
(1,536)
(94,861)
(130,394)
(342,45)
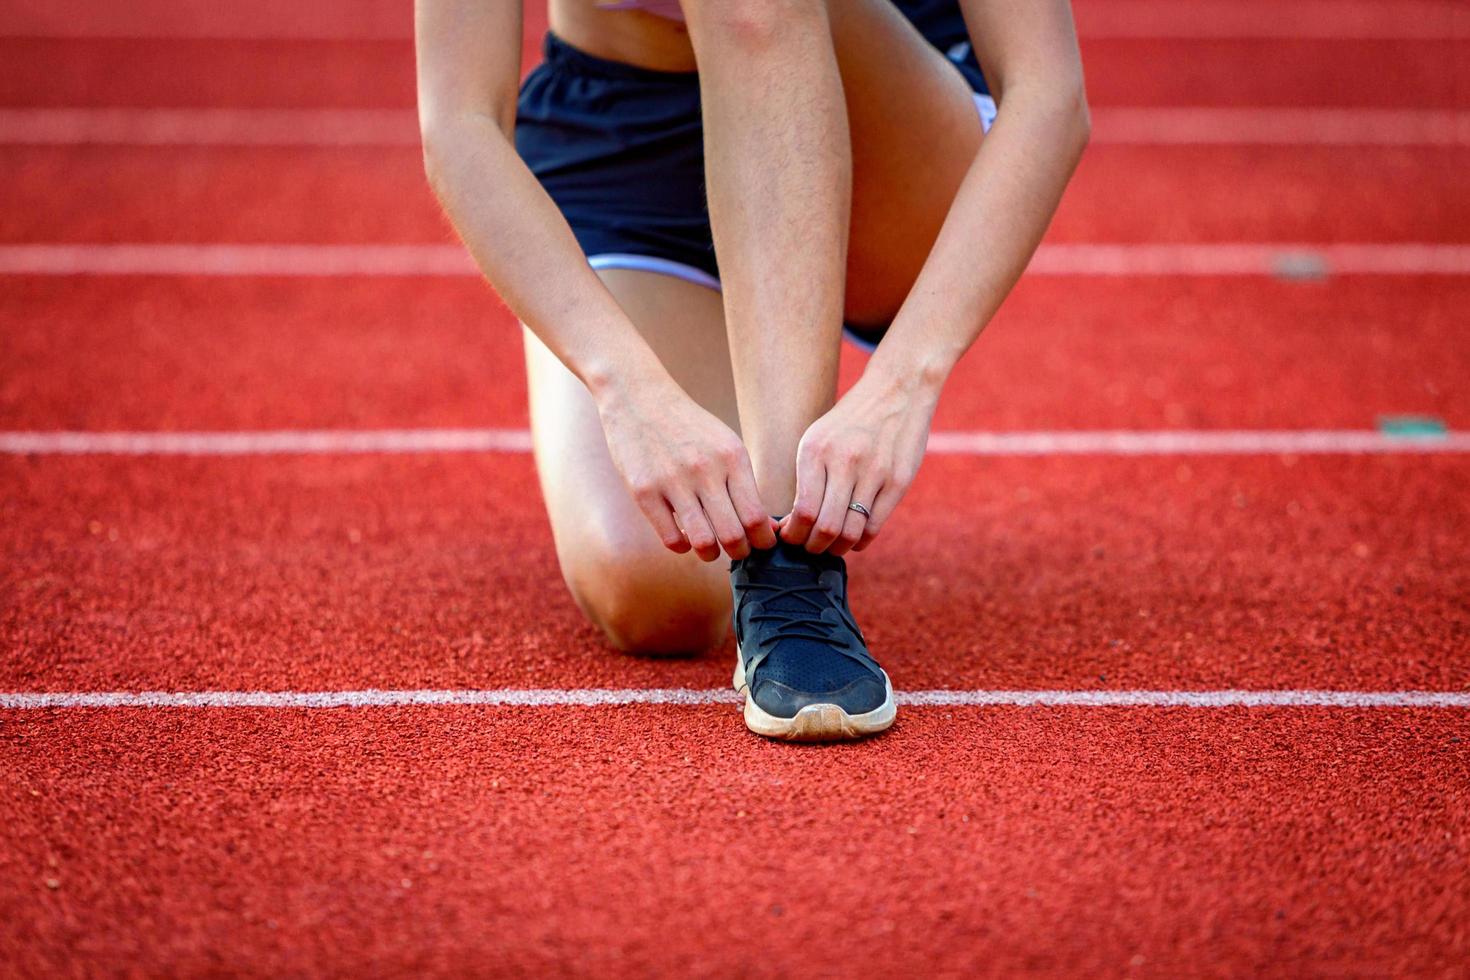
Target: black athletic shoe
(802,663)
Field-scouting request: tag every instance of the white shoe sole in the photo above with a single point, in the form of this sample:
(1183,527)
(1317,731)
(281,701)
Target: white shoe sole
(816,722)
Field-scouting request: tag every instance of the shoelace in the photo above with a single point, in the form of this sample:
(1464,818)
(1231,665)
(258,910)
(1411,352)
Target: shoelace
(795,626)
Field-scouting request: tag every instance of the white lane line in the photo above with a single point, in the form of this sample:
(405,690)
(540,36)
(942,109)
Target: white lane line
(1138,126)
(1250,259)
(537,697)
(210,127)
(1191,699)
(1309,442)
(1279,127)
(304,442)
(1171,259)
(598,697)
(1327,20)
(155,259)
(1184,442)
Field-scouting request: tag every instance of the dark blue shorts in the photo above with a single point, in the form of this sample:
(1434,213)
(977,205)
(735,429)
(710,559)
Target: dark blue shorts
(620,149)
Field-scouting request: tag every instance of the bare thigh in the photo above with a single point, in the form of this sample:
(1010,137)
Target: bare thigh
(915,131)
(619,572)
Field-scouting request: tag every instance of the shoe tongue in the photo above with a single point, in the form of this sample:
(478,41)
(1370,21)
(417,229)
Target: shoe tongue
(789,564)
(797,558)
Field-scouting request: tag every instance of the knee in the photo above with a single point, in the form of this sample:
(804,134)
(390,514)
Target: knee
(644,602)
(750,23)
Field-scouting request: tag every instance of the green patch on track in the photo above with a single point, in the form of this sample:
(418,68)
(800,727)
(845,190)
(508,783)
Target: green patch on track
(1412,426)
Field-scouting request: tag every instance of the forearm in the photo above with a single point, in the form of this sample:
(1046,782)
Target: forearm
(528,253)
(997,219)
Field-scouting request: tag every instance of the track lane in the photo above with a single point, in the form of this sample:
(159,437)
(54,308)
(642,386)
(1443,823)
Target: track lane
(360,195)
(1259,193)
(1085,354)
(365,73)
(1018,574)
(1008,840)
(271,20)
(1124,125)
(281,20)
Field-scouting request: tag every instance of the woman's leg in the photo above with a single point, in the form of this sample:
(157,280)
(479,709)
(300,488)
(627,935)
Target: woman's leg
(645,598)
(778,174)
(915,130)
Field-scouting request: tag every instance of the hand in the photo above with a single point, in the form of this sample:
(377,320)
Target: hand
(689,474)
(867,450)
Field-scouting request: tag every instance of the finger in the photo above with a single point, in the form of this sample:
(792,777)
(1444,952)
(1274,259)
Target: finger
(811,481)
(656,509)
(759,528)
(721,513)
(882,508)
(696,526)
(833,513)
(866,493)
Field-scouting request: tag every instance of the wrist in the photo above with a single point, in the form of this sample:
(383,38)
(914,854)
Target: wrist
(617,383)
(908,372)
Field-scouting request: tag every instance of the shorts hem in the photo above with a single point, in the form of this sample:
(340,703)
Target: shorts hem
(653,263)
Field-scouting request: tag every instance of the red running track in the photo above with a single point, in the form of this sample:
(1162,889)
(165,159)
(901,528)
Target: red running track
(1075,353)
(663,840)
(374,73)
(437,572)
(1246,193)
(660,839)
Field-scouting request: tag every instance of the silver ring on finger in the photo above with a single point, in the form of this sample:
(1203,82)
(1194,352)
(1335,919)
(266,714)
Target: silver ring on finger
(859,508)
